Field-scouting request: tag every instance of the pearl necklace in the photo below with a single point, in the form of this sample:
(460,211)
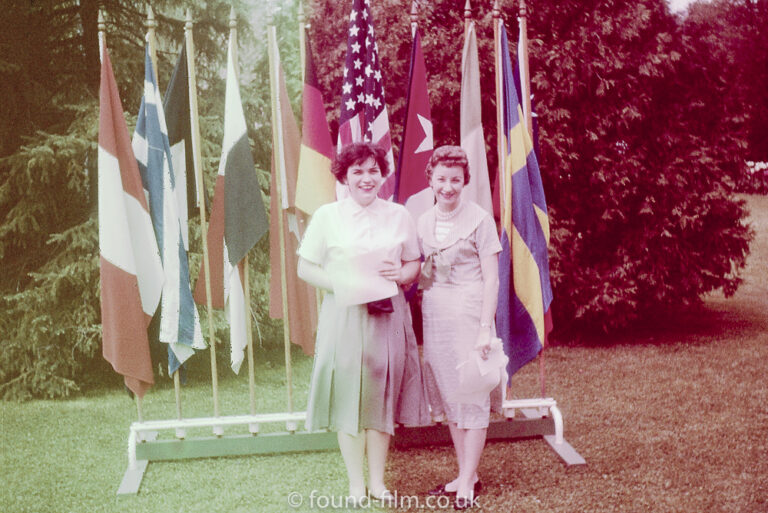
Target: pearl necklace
(444,216)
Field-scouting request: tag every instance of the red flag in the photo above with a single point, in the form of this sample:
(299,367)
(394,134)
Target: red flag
(130,267)
(315,184)
(417,143)
(302,301)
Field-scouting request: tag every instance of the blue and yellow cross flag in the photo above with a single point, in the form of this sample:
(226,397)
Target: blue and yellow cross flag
(523,317)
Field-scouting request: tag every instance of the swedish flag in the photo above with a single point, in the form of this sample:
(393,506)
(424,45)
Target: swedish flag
(525,294)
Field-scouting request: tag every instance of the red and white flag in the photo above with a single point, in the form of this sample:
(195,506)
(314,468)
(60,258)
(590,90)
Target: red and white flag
(418,142)
(130,267)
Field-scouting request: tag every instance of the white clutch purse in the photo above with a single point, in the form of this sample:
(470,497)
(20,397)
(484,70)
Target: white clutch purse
(478,377)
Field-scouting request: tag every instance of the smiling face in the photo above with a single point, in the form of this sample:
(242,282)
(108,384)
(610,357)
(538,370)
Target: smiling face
(364,180)
(447,183)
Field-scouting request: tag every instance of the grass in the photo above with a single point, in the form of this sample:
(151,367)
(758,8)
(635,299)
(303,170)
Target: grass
(670,419)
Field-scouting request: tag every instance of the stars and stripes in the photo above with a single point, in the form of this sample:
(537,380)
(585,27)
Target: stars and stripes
(363,115)
(179,320)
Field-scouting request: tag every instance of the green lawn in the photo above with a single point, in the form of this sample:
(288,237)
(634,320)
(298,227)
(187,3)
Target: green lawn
(672,418)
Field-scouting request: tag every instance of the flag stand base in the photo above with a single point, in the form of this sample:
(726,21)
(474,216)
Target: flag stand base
(541,418)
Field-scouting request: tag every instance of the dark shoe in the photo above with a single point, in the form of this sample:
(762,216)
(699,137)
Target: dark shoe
(439,491)
(478,486)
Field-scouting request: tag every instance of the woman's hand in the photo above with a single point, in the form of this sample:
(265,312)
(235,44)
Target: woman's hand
(401,273)
(483,343)
(392,271)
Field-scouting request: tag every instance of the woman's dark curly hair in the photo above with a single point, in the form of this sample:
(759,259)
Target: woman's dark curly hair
(357,153)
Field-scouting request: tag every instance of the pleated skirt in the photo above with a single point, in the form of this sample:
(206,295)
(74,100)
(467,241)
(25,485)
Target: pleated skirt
(366,373)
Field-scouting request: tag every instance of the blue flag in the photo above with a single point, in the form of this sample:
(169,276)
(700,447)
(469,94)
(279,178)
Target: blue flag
(525,293)
(179,320)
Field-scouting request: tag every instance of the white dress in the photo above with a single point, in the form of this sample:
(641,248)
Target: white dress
(366,373)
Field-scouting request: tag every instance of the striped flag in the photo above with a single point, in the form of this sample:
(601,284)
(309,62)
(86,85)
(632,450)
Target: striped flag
(238,219)
(130,267)
(179,320)
(472,137)
(302,301)
(525,294)
(363,115)
(179,121)
(417,145)
(315,184)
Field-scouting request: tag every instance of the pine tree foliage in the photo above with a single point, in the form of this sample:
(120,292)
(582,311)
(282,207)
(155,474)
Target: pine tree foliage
(49,291)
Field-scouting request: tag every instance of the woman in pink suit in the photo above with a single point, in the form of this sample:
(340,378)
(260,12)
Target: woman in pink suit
(460,287)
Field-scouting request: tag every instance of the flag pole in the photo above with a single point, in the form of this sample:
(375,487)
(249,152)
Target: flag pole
(467,17)
(302,40)
(524,60)
(197,162)
(152,44)
(246,273)
(500,136)
(529,127)
(278,149)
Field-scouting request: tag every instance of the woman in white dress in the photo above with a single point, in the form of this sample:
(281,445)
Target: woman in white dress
(366,375)
(460,287)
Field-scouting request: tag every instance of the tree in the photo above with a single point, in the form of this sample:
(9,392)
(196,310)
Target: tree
(729,38)
(49,64)
(635,163)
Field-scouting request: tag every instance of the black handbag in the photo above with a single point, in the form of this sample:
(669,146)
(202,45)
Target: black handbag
(380,307)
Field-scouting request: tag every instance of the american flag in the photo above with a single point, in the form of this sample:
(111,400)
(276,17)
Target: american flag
(363,114)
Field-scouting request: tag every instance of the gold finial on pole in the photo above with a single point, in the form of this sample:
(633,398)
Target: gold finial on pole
(232,19)
(467,16)
(102,27)
(496,10)
(233,43)
(414,17)
(151,24)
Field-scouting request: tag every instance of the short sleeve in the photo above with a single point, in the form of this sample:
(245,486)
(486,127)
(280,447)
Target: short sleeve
(314,243)
(411,249)
(486,238)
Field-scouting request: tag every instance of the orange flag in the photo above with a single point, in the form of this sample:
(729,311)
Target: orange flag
(302,301)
